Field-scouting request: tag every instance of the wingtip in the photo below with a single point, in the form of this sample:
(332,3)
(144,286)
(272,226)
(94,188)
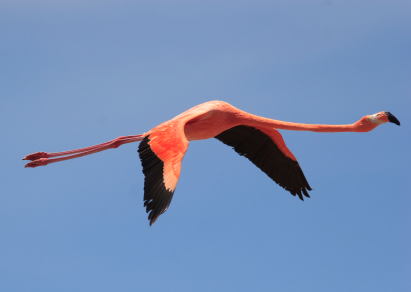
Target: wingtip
(152,219)
(306,193)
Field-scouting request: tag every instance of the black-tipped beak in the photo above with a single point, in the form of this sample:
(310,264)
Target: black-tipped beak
(392,119)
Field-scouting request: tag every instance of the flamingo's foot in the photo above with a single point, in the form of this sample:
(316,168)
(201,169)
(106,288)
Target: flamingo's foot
(35,156)
(37,162)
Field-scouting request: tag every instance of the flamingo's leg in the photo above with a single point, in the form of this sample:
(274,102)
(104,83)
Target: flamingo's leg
(41,158)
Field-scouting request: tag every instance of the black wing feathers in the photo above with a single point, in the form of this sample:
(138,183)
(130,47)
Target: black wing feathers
(261,150)
(156,197)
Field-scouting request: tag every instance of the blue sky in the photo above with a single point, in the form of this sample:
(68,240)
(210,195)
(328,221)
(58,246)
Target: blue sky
(78,73)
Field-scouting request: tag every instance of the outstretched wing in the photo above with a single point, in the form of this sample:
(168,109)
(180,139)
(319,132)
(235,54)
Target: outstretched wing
(161,153)
(267,150)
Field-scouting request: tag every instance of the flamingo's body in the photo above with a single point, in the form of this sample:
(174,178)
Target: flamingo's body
(162,149)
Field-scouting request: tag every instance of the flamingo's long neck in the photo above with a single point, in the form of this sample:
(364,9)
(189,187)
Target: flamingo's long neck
(315,128)
(359,126)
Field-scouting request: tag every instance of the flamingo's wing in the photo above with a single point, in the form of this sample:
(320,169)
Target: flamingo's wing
(161,153)
(267,150)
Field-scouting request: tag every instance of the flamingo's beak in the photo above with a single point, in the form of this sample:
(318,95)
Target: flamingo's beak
(392,119)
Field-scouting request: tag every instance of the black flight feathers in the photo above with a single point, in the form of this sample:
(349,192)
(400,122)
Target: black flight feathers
(261,150)
(156,197)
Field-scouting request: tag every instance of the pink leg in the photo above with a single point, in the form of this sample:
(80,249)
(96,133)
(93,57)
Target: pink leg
(41,158)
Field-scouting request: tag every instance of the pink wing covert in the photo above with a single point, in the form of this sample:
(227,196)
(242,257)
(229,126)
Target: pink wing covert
(161,153)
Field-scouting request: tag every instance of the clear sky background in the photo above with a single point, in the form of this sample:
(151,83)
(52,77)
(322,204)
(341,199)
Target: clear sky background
(78,73)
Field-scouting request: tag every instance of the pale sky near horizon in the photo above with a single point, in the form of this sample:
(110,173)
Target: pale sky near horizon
(78,73)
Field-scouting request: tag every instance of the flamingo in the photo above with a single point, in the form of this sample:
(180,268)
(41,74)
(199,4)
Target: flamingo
(162,149)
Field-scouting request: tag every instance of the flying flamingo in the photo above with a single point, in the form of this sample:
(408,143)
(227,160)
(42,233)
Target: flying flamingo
(162,149)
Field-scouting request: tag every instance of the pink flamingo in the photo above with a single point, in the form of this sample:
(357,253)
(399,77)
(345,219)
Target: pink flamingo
(162,149)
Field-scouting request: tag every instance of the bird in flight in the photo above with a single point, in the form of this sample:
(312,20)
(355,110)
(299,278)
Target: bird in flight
(162,149)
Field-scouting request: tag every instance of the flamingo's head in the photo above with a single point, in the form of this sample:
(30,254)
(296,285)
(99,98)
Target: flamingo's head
(370,122)
(383,117)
